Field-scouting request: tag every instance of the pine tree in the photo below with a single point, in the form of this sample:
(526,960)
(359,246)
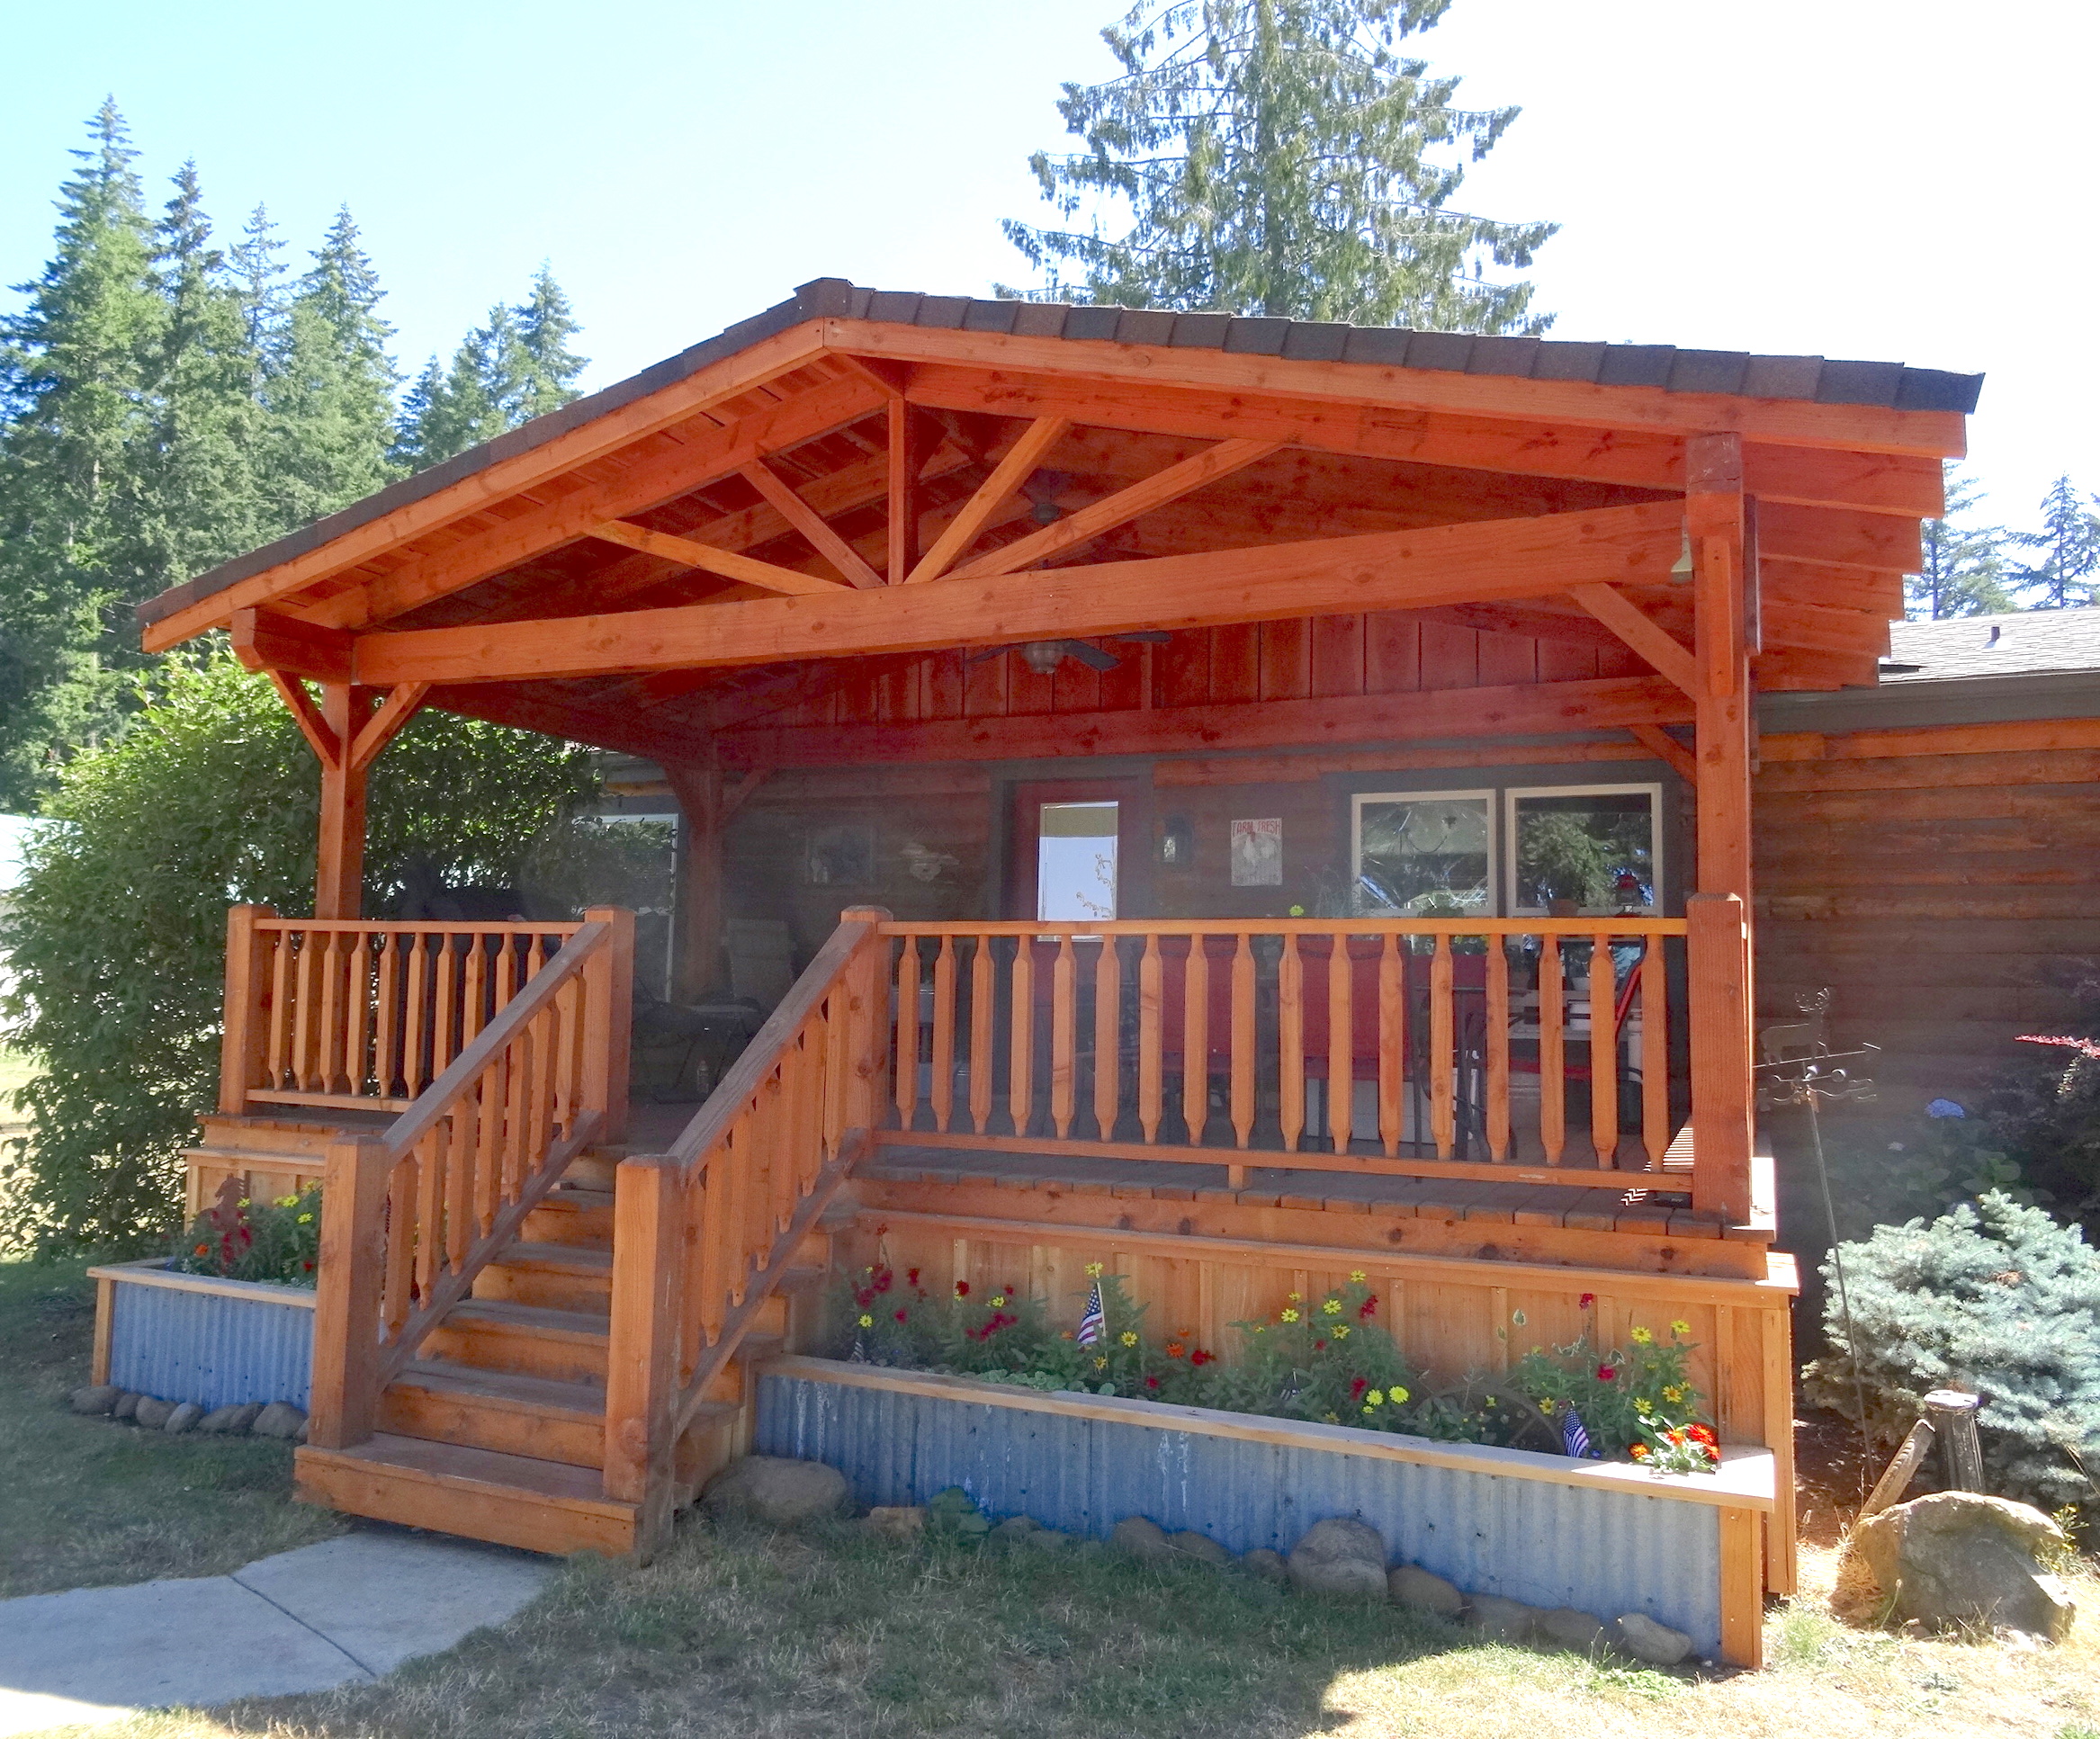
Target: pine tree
(548,368)
(1280,158)
(1963,570)
(515,366)
(2070,544)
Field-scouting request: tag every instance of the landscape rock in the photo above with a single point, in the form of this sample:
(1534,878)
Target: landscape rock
(1571,1629)
(1963,1558)
(96,1398)
(1200,1546)
(279,1419)
(1503,1621)
(1046,1539)
(1642,1637)
(775,1489)
(1267,1564)
(1341,1539)
(182,1419)
(232,1421)
(1341,1579)
(1015,1528)
(1144,1540)
(897,1521)
(1413,1587)
(151,1414)
(126,1405)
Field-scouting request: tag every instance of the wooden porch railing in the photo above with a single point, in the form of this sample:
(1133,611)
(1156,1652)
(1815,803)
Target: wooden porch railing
(704,1236)
(361,1014)
(409,1218)
(1416,1046)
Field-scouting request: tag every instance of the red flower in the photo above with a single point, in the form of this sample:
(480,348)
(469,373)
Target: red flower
(1605,1372)
(1357,1387)
(1702,1434)
(901,1315)
(1319,1346)
(962,1288)
(884,1280)
(911,1277)
(1151,1382)
(1368,1308)
(864,1296)
(1201,1358)
(1587,1300)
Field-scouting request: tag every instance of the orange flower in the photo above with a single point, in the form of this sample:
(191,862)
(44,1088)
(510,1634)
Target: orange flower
(1175,1349)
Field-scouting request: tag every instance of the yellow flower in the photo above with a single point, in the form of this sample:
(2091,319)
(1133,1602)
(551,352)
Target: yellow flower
(1680,1327)
(1357,1275)
(1367,1411)
(1295,1297)
(1643,1337)
(1128,1338)
(1093,1270)
(1332,1308)
(1640,1406)
(1546,1406)
(998,1303)
(306,1219)
(1376,1398)
(1289,1316)
(1341,1333)
(1397,1395)
(1673,1393)
(242,1203)
(288,1201)
(867,1322)
(1100,1364)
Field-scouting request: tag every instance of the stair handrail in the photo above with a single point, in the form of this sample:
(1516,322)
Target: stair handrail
(703,1233)
(412,1215)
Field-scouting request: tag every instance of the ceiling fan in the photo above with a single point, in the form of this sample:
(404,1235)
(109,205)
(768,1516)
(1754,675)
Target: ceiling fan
(1044,656)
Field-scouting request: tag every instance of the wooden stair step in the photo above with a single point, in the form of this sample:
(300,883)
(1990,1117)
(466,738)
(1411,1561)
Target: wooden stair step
(443,1402)
(567,1215)
(484,1494)
(528,1340)
(555,1276)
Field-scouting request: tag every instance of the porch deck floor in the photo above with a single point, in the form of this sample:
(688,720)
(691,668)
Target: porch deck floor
(1640,1208)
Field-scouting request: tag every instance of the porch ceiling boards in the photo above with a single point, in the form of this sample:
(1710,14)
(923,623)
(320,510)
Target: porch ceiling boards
(786,545)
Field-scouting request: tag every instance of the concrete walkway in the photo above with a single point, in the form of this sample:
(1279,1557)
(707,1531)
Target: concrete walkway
(345,1611)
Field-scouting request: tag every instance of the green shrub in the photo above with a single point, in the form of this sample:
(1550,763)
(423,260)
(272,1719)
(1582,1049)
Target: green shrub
(1997,1298)
(118,933)
(243,1239)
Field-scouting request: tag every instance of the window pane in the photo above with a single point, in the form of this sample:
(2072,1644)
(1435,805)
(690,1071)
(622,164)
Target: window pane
(1075,861)
(1596,848)
(1423,857)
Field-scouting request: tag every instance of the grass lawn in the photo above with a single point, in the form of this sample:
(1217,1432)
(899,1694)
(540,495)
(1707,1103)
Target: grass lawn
(85,1501)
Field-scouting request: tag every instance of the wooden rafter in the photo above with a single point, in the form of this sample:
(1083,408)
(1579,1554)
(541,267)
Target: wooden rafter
(811,523)
(1125,505)
(1633,625)
(1013,470)
(766,575)
(1445,564)
(1666,749)
(306,716)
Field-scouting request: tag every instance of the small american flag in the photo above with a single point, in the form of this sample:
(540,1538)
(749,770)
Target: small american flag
(1573,1437)
(1094,1321)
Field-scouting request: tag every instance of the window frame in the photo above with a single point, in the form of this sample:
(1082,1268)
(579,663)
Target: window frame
(1511,793)
(1486,795)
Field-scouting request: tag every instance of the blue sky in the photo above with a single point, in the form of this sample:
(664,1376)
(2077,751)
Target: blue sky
(1848,177)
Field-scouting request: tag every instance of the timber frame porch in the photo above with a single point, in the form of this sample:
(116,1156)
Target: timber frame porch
(869,532)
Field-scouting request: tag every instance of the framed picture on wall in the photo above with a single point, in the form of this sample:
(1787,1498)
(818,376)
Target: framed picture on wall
(840,855)
(1258,853)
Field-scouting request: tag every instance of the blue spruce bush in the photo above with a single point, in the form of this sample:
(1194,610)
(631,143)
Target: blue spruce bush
(1997,1298)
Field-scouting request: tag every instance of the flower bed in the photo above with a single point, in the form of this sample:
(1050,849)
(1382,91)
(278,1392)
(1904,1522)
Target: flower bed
(200,1338)
(1603,1537)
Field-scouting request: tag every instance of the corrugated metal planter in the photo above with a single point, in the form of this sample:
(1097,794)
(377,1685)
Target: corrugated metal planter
(189,1336)
(1600,1536)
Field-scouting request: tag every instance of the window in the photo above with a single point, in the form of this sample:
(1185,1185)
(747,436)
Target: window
(1598,848)
(1424,854)
(1076,862)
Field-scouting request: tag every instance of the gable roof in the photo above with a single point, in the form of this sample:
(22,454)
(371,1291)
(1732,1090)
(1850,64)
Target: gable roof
(2018,643)
(1731,373)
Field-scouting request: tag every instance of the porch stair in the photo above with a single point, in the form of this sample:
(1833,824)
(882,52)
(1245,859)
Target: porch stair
(496,1430)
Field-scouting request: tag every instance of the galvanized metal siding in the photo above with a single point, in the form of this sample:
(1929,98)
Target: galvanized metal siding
(205,1346)
(1547,1545)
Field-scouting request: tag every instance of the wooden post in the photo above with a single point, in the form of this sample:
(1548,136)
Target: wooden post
(105,1328)
(909,450)
(642,1351)
(1902,1467)
(338,890)
(868,982)
(1742,1587)
(247,997)
(608,1032)
(1717,956)
(343,1404)
(699,791)
(1952,1414)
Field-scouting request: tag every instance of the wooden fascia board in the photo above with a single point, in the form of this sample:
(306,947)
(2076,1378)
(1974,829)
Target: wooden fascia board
(1385,571)
(1864,428)
(1445,713)
(738,373)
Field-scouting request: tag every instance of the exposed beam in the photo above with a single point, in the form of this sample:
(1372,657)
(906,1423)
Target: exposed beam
(1349,721)
(498,480)
(909,442)
(1868,428)
(1633,625)
(1667,749)
(265,641)
(319,737)
(1125,505)
(648,482)
(578,721)
(750,571)
(1391,570)
(1018,464)
(806,520)
(400,705)
(1535,446)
